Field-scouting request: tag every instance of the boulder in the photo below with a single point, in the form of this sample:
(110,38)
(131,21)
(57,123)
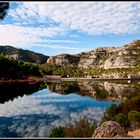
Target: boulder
(109,129)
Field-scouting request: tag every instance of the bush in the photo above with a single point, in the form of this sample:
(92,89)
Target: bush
(110,112)
(125,113)
(134,116)
(134,103)
(121,119)
(81,128)
(57,132)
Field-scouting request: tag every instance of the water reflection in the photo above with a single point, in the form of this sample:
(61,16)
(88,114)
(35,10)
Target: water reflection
(9,91)
(109,91)
(38,109)
(38,113)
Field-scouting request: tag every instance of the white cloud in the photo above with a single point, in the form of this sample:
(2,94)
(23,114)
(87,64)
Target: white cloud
(38,23)
(61,49)
(25,37)
(89,17)
(60,41)
(69,48)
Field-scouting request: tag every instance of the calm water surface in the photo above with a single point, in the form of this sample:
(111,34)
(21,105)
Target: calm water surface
(32,110)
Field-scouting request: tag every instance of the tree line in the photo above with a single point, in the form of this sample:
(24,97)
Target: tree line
(75,71)
(15,69)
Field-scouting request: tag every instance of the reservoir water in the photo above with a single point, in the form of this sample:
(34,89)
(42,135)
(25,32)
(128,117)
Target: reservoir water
(32,110)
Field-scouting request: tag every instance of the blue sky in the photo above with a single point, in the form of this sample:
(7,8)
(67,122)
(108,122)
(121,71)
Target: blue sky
(54,28)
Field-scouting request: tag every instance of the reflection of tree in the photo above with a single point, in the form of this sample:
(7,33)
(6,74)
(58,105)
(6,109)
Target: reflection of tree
(101,93)
(4,6)
(64,87)
(10,91)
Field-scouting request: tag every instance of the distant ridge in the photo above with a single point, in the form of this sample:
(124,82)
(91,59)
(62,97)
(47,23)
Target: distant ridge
(24,55)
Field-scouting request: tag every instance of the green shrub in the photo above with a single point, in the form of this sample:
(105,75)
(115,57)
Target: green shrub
(110,113)
(134,116)
(121,119)
(57,132)
(124,113)
(134,103)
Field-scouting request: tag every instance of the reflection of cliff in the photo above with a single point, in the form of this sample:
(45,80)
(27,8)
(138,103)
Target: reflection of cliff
(109,91)
(123,91)
(97,90)
(64,87)
(86,88)
(93,89)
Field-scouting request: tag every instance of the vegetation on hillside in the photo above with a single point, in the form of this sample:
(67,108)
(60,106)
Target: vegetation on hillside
(63,70)
(14,69)
(75,71)
(23,55)
(22,69)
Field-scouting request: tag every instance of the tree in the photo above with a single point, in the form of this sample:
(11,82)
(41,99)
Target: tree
(4,6)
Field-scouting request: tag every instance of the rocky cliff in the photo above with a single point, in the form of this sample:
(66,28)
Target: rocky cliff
(24,55)
(64,59)
(115,57)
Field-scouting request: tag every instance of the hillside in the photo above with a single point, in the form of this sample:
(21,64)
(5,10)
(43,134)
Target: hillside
(24,55)
(14,69)
(127,56)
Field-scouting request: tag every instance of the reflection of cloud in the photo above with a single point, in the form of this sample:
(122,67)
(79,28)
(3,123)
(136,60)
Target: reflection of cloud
(91,113)
(35,116)
(42,131)
(35,104)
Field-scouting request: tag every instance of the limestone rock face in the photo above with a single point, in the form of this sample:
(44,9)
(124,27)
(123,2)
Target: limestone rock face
(104,57)
(14,56)
(109,129)
(63,59)
(119,62)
